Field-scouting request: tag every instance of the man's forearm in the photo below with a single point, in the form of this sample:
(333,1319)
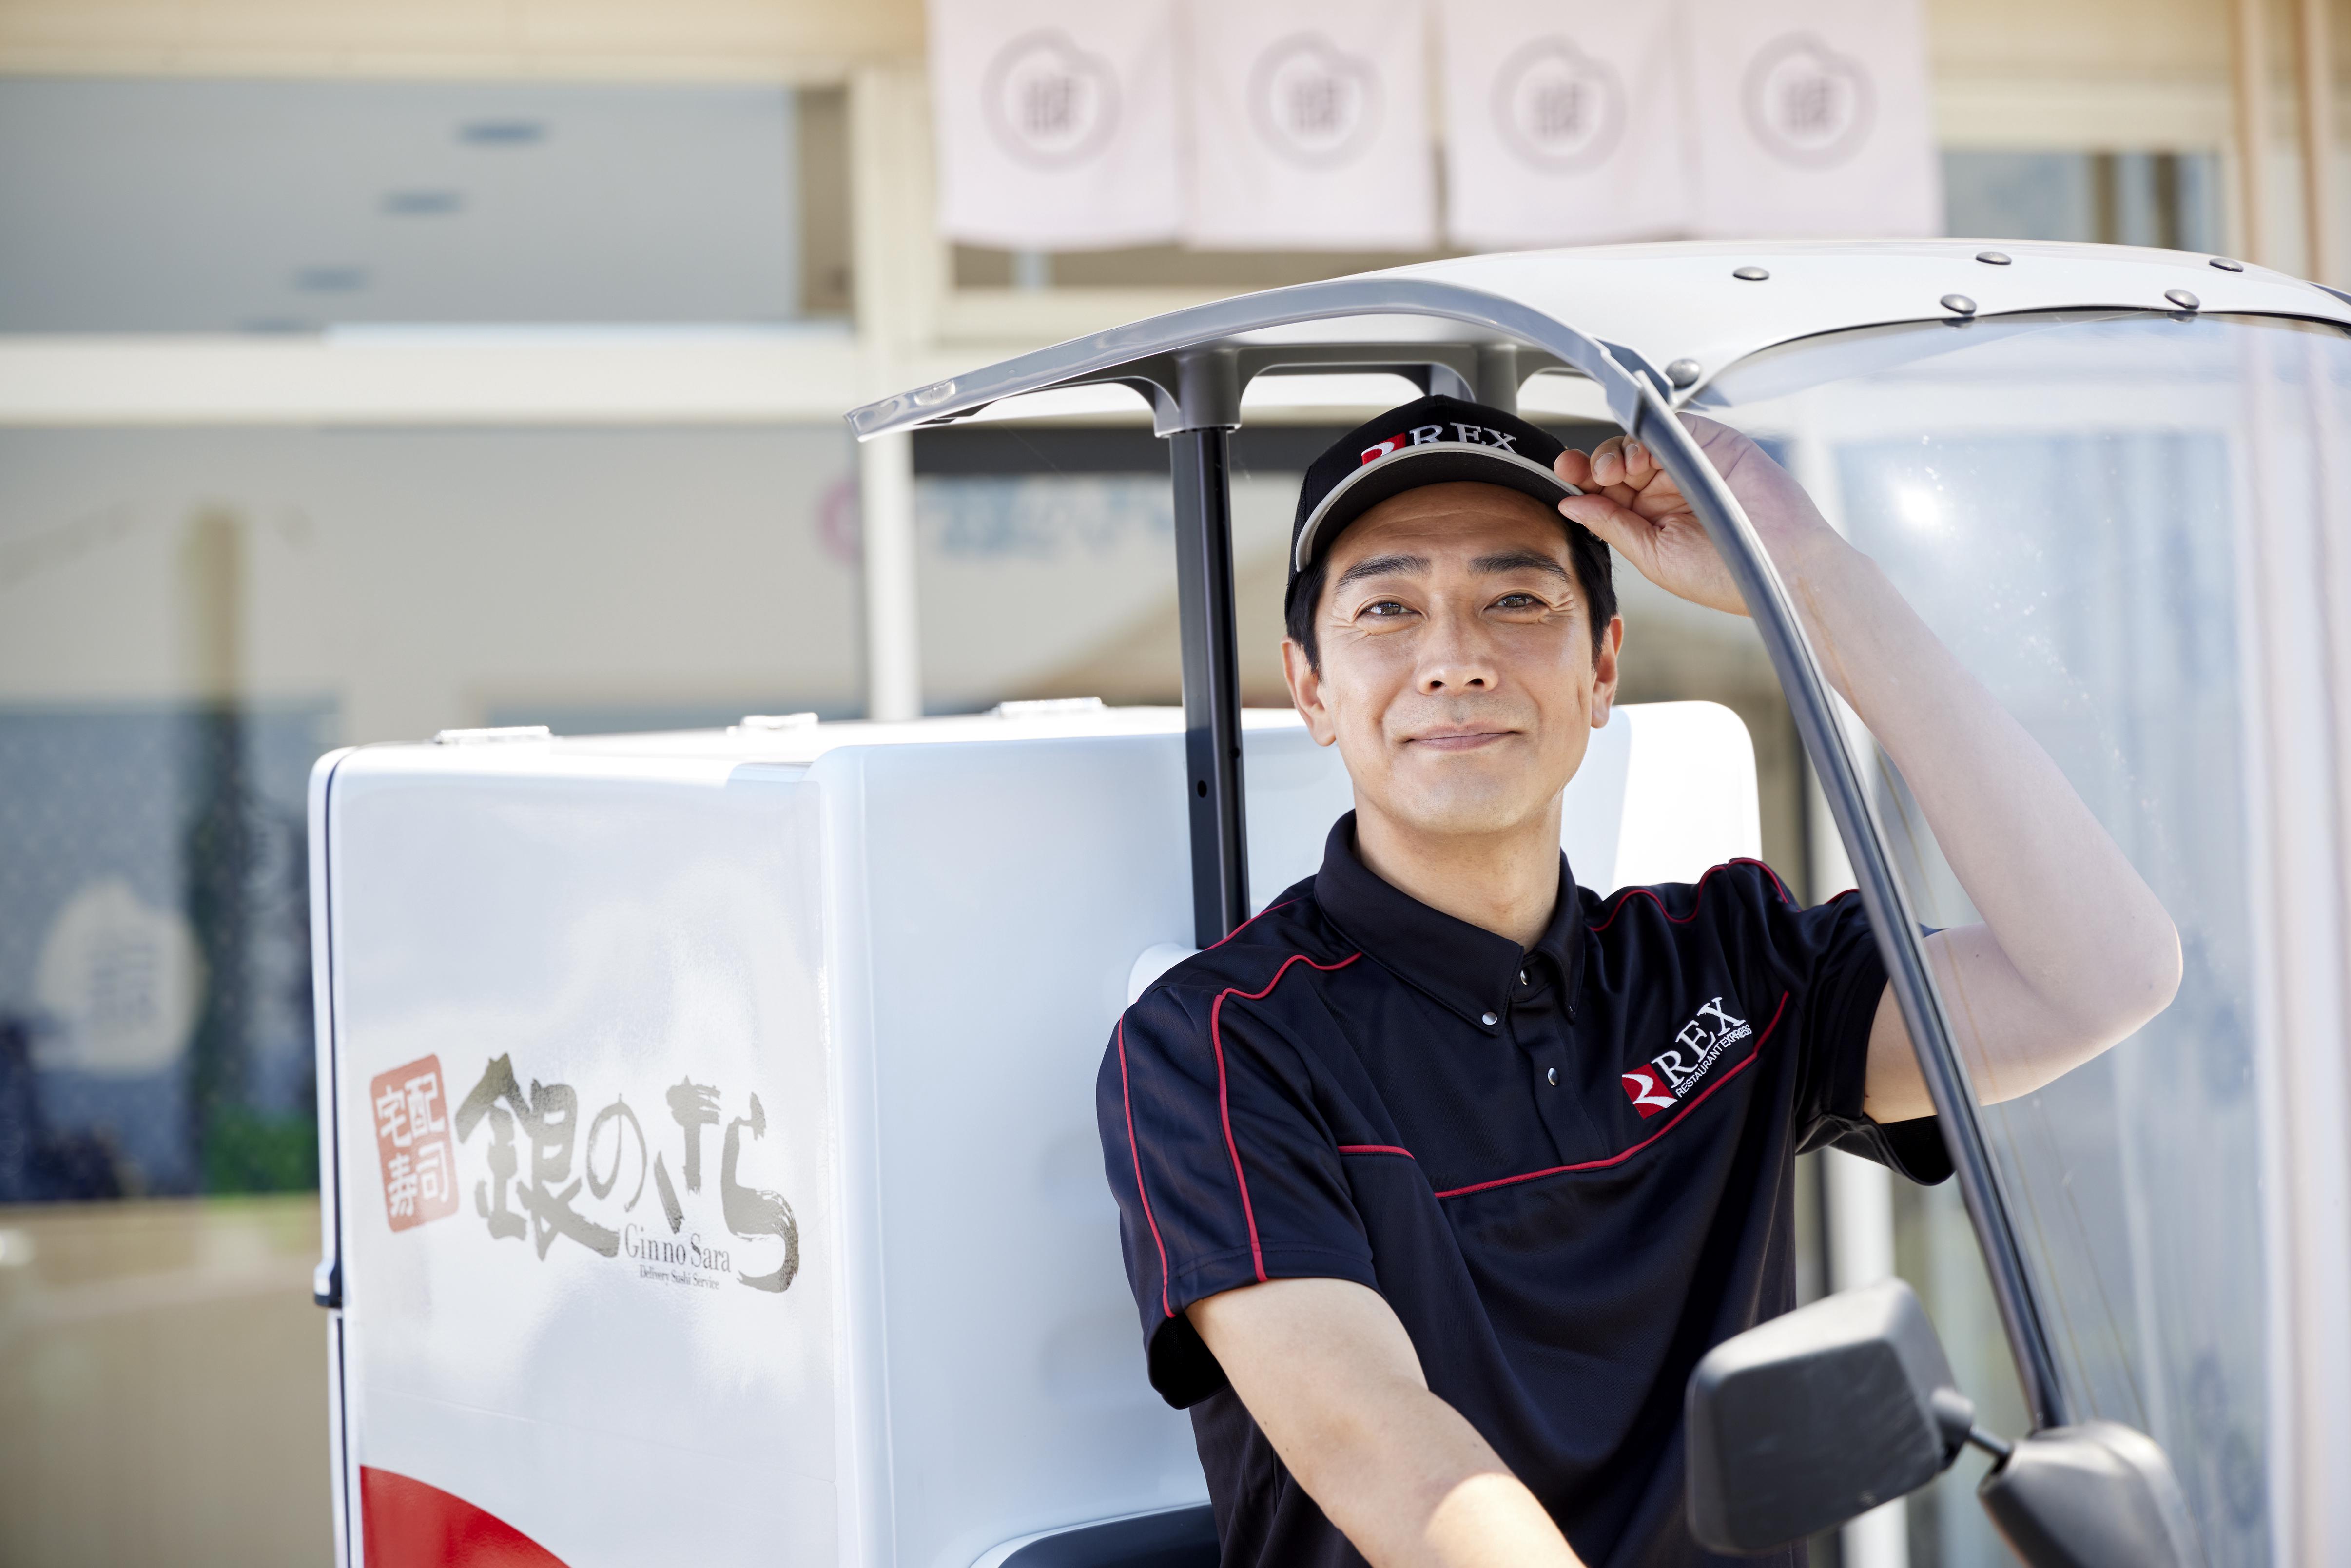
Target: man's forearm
(2076,950)
(1411,1483)
(1331,1379)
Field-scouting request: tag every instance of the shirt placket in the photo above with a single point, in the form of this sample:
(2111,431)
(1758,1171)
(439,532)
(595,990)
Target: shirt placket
(1541,1023)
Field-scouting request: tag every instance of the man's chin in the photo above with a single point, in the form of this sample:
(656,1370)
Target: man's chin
(1457,814)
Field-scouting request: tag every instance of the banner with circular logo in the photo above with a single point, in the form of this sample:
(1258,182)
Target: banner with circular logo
(1562,123)
(1815,118)
(1310,126)
(1056,122)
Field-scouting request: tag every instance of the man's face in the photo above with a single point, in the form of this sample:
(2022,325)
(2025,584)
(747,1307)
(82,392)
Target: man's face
(1458,678)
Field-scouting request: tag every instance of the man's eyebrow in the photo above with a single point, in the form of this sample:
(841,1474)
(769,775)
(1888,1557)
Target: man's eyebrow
(1520,560)
(1381,566)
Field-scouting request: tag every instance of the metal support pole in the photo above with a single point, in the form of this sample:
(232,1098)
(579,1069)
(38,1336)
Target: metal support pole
(1498,376)
(885,498)
(1212,692)
(1861,1252)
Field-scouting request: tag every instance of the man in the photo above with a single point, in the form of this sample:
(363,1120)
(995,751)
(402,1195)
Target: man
(1438,1176)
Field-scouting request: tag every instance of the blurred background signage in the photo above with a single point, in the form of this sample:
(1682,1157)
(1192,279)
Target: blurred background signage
(1309,125)
(1811,118)
(1057,122)
(1565,124)
(1305,124)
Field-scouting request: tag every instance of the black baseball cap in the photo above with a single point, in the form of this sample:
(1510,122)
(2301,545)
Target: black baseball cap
(1433,440)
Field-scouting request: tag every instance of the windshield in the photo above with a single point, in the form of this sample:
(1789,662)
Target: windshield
(2128,526)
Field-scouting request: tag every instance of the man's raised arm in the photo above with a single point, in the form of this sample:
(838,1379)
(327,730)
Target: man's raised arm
(2075,952)
(1331,1377)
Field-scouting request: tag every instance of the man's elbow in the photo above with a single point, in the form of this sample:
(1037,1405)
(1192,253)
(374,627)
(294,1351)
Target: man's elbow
(2134,986)
(2169,969)
(2155,980)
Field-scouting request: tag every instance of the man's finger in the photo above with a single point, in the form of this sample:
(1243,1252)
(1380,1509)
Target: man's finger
(1608,462)
(1573,468)
(1616,525)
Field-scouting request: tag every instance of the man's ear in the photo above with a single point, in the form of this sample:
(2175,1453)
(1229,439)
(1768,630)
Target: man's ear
(1306,692)
(1604,670)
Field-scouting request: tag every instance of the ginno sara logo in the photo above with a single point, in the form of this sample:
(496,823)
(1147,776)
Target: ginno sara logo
(1670,1074)
(538,1152)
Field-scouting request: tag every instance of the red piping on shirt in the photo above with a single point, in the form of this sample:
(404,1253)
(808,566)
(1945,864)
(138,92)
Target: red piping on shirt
(1247,924)
(1611,1160)
(1225,1110)
(1133,1148)
(1686,919)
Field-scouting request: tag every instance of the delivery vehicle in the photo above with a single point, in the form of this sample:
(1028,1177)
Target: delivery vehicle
(711,1168)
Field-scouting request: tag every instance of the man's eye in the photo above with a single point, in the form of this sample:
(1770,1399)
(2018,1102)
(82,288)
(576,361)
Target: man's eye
(1518,602)
(1387,608)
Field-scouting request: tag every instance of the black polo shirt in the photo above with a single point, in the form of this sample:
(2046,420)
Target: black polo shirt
(1567,1168)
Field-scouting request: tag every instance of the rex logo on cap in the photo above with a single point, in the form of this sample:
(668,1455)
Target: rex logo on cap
(1433,440)
(1425,434)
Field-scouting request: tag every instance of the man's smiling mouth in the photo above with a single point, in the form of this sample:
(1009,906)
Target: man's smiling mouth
(1461,739)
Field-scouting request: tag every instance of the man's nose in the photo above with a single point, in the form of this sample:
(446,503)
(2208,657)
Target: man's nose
(1458,657)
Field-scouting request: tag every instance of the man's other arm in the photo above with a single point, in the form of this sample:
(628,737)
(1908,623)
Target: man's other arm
(1331,1377)
(2074,951)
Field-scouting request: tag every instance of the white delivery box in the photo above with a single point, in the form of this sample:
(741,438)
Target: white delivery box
(710,1162)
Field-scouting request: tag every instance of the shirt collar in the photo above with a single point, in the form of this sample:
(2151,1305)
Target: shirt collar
(1468,968)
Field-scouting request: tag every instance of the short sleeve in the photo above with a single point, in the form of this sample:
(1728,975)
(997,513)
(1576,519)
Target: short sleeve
(1225,1173)
(1828,956)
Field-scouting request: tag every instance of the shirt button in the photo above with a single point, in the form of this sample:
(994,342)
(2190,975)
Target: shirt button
(1488,1020)
(1552,1075)
(1522,977)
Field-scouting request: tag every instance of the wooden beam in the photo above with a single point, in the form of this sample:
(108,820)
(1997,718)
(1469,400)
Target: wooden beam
(900,280)
(2252,82)
(617,40)
(433,378)
(2314,42)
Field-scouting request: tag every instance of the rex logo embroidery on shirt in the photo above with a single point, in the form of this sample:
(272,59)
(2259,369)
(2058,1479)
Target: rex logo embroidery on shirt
(1669,1076)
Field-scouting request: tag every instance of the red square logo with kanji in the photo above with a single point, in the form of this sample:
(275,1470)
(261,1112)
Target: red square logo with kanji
(412,1139)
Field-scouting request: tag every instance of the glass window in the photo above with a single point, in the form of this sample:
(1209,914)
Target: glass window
(189,618)
(220,207)
(2088,508)
(2169,199)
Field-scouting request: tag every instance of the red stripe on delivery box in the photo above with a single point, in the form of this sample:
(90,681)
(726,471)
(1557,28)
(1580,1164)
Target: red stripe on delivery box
(410,1523)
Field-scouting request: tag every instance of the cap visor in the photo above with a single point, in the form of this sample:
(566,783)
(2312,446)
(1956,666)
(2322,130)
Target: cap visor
(1431,463)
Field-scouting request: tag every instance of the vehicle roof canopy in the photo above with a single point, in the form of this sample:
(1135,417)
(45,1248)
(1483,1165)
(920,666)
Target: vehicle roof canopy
(1479,326)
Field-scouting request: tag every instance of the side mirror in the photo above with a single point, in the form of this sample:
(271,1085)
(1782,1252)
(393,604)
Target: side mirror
(2099,1495)
(1817,1417)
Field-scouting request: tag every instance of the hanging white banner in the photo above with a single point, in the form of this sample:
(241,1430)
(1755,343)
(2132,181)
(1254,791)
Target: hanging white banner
(1814,118)
(1564,122)
(1310,126)
(1056,122)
